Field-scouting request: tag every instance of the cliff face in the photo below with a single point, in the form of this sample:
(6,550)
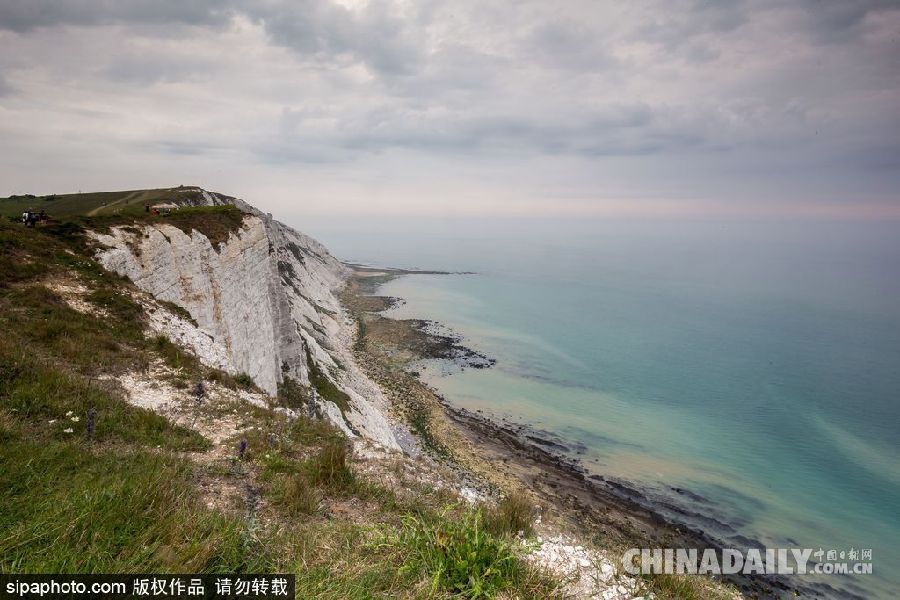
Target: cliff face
(264,302)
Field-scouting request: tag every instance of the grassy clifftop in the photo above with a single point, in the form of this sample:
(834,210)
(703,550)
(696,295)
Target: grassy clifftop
(126,202)
(101,210)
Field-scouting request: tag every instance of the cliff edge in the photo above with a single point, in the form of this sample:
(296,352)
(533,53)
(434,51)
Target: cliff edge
(262,300)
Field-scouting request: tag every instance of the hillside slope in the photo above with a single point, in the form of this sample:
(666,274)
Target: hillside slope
(114,460)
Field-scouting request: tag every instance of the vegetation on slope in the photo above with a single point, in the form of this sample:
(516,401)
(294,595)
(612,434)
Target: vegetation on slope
(92,483)
(215,222)
(326,389)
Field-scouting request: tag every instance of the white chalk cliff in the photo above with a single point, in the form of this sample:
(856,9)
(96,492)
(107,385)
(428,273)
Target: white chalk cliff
(264,302)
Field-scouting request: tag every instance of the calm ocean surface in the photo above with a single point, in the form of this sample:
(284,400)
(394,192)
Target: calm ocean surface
(757,365)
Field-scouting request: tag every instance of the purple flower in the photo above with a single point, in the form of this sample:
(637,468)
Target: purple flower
(242,449)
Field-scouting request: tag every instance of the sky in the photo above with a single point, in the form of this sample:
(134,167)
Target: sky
(725,108)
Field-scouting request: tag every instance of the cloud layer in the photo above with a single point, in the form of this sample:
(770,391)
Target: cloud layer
(734,107)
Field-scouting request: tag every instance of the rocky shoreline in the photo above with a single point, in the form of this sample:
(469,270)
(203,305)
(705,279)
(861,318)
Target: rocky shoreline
(597,507)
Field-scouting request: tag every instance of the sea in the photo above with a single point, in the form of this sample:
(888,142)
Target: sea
(747,372)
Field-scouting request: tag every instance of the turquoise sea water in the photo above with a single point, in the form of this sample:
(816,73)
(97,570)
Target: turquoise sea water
(756,365)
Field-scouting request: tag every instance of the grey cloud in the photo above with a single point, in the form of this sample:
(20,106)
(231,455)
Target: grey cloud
(374,35)
(5,88)
(830,21)
(753,82)
(678,24)
(617,130)
(148,69)
(699,52)
(182,148)
(568,45)
(25,15)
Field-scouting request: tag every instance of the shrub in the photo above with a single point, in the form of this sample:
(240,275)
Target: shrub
(245,381)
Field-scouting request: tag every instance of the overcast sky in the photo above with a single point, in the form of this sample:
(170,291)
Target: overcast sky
(720,107)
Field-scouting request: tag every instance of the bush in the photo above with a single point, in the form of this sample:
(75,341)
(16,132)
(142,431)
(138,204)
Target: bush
(246,382)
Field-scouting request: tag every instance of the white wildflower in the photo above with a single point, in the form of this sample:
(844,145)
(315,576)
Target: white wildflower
(69,413)
(75,419)
(51,421)
(69,430)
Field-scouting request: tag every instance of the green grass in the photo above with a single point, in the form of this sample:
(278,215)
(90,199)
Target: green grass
(175,356)
(329,467)
(69,509)
(419,416)
(458,555)
(38,393)
(215,222)
(686,587)
(296,495)
(513,514)
(101,210)
(326,389)
(126,202)
(40,320)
